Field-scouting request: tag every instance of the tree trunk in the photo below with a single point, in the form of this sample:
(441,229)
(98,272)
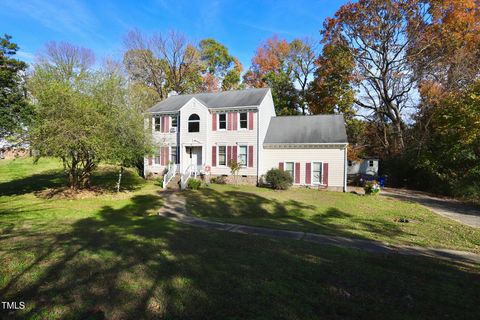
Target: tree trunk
(119,178)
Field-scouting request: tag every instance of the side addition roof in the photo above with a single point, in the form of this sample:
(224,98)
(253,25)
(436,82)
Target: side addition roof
(217,100)
(318,129)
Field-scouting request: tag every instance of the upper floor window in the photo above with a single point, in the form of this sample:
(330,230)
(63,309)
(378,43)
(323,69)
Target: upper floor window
(243,120)
(222,121)
(370,163)
(158,124)
(174,122)
(194,123)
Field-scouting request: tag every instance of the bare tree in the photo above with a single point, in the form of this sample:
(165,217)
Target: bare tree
(378,34)
(302,58)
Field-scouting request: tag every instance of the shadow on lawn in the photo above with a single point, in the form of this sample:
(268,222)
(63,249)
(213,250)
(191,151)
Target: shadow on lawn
(249,208)
(102,179)
(127,264)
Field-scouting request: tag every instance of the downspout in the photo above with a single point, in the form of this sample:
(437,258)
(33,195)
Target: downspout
(258,145)
(345,169)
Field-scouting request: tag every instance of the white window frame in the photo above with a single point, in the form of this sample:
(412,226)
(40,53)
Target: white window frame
(193,121)
(159,124)
(218,121)
(285,168)
(171,121)
(218,155)
(311,174)
(157,152)
(238,121)
(246,153)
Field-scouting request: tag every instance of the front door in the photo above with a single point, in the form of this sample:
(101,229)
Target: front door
(195,155)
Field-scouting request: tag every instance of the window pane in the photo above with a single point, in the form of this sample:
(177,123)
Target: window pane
(243,120)
(174,122)
(317,173)
(173,154)
(157,124)
(157,158)
(222,158)
(289,168)
(243,155)
(193,127)
(222,121)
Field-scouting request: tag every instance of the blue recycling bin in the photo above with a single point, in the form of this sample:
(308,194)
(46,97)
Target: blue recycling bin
(381,180)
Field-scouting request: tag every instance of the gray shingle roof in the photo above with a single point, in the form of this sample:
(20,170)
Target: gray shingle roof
(306,129)
(217,100)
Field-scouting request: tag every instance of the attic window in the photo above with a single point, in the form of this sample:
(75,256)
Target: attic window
(194,123)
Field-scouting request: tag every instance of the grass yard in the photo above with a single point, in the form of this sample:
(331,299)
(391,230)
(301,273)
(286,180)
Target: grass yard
(332,213)
(109,256)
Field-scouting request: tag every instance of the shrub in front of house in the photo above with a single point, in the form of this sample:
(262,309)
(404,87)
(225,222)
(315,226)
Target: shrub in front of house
(278,179)
(219,180)
(194,184)
(371,187)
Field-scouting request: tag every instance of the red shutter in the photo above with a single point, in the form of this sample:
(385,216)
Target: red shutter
(229,154)
(235,120)
(149,161)
(250,121)
(167,123)
(214,156)
(280,166)
(297,172)
(250,156)
(325,174)
(162,121)
(214,121)
(308,173)
(235,156)
(229,121)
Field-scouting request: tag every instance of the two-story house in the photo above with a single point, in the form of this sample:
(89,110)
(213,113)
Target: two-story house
(201,133)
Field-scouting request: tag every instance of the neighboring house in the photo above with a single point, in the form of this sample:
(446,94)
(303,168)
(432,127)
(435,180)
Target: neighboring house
(201,133)
(366,166)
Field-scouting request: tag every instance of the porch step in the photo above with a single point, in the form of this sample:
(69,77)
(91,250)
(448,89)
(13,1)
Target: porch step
(174,184)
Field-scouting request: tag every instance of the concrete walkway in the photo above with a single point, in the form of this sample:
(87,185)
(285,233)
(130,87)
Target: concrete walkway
(174,209)
(450,208)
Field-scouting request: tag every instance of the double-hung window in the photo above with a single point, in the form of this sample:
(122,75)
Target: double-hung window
(316,173)
(158,124)
(174,122)
(242,155)
(243,119)
(194,123)
(290,167)
(222,155)
(173,154)
(157,157)
(370,163)
(222,121)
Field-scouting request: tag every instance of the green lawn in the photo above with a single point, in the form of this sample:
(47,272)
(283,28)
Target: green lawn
(110,256)
(333,213)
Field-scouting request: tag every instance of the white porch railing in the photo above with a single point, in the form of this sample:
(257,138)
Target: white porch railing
(187,174)
(172,170)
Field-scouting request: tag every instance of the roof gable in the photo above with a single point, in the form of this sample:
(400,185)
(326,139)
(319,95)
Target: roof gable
(217,100)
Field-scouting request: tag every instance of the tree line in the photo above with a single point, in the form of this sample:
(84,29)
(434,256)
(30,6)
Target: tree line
(405,74)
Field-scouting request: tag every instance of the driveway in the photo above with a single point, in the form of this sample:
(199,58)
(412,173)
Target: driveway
(450,208)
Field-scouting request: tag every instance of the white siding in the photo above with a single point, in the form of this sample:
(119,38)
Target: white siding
(266,112)
(333,156)
(231,138)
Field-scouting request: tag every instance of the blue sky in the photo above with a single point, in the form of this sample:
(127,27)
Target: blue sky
(101,25)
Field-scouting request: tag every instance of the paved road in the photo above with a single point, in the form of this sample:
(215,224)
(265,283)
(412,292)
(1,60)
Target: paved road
(450,208)
(174,209)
